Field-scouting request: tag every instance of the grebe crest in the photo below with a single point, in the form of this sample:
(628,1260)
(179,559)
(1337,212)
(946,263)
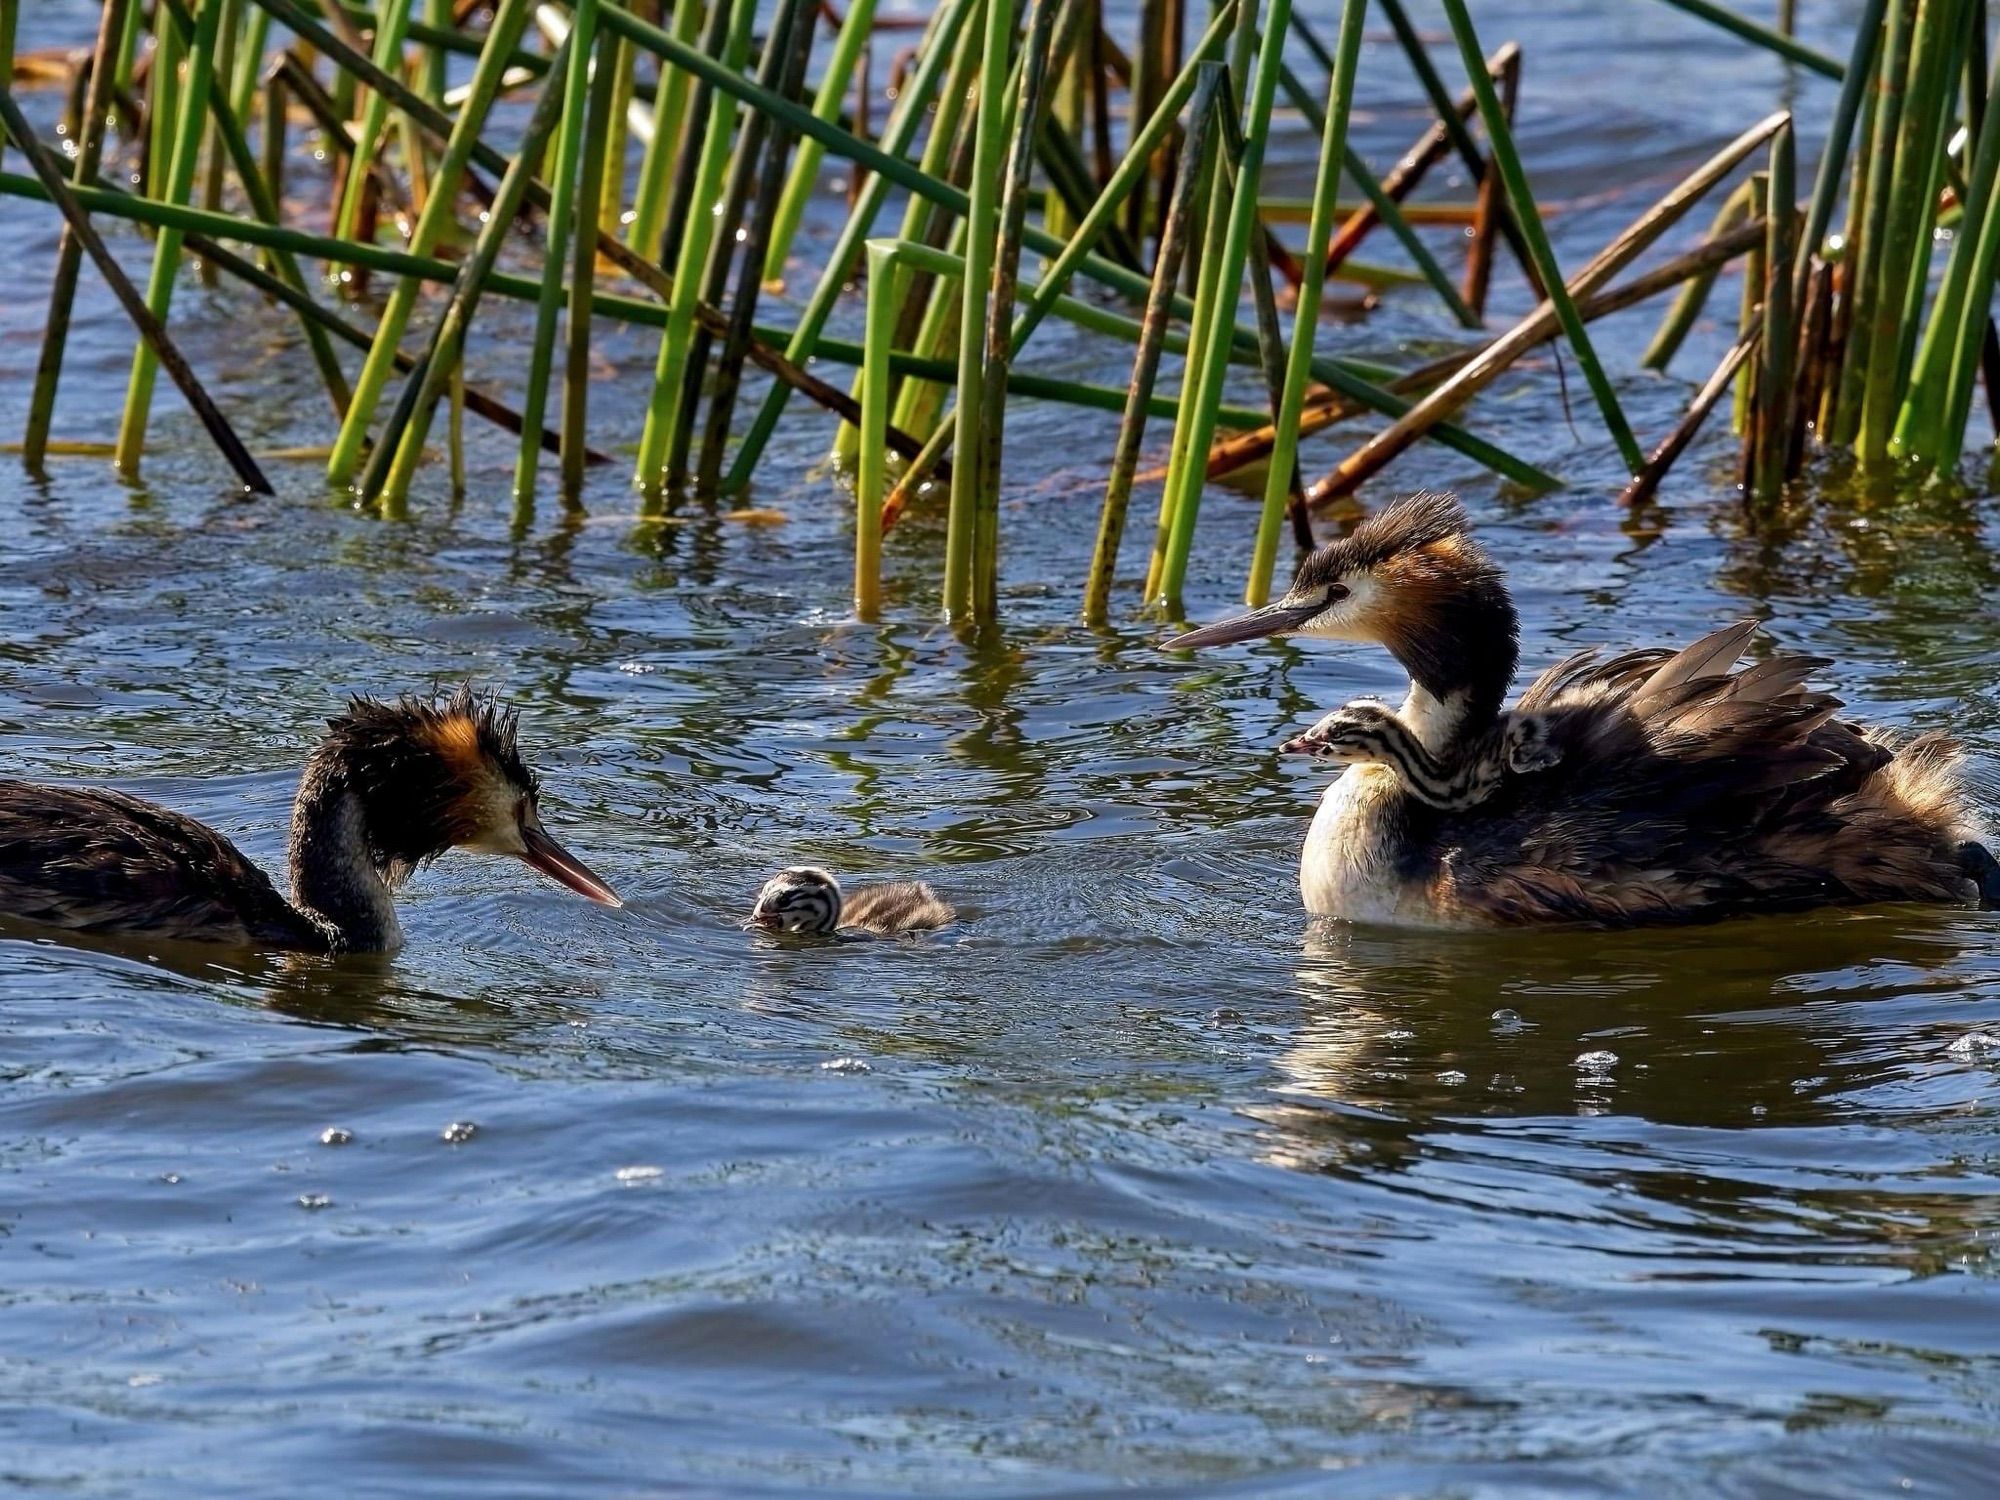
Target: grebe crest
(391,787)
(807,899)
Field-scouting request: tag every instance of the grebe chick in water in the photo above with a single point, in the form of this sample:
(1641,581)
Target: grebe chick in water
(805,898)
(1367,732)
(391,787)
(1684,790)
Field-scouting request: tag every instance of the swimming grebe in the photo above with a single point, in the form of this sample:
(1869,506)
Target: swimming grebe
(1367,732)
(391,787)
(805,898)
(1675,788)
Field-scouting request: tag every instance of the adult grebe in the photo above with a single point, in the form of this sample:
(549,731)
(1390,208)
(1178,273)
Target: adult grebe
(391,787)
(808,899)
(1673,787)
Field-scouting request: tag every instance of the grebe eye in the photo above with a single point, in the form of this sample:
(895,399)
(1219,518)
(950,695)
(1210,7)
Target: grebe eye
(1335,592)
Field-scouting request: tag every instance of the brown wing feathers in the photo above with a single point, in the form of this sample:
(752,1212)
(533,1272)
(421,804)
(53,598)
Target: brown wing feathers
(1687,787)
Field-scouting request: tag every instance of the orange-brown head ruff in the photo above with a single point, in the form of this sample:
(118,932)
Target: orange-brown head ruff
(443,773)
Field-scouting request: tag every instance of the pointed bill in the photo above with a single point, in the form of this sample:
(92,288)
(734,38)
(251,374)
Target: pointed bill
(556,862)
(1272,619)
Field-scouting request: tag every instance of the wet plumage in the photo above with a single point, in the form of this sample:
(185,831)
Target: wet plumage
(1668,787)
(391,786)
(807,899)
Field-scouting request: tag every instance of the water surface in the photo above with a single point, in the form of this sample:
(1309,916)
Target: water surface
(1130,1180)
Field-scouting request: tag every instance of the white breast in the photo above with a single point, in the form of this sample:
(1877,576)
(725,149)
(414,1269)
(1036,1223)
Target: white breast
(1348,866)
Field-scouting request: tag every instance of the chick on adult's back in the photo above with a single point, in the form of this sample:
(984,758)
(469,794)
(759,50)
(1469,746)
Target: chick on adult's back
(1669,787)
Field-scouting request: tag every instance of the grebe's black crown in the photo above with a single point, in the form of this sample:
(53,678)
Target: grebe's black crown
(1406,525)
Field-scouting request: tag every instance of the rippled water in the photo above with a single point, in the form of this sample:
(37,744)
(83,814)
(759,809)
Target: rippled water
(1128,1180)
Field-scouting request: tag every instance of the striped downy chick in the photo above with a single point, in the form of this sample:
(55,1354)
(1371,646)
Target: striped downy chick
(807,899)
(1366,731)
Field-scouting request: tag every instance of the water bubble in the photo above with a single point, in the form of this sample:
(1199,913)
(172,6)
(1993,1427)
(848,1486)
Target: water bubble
(639,1174)
(1975,1046)
(1451,1078)
(336,1135)
(1399,1034)
(1595,1064)
(311,1201)
(1507,1022)
(845,1065)
(170,1178)
(458,1132)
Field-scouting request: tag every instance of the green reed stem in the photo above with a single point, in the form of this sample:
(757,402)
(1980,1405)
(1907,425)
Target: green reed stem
(1870,248)
(191,119)
(621,62)
(70,202)
(1750,305)
(509,19)
(804,179)
(392,19)
(1911,207)
(69,250)
(1208,369)
(948,155)
(664,414)
(872,481)
(393,462)
(163,83)
(1763,36)
(1030,108)
(649,207)
(1975,320)
(1776,369)
(1529,217)
(1305,318)
(1126,179)
(981,222)
(1840,135)
(625,310)
(1938,406)
(569,150)
(599,140)
(727,230)
(750,267)
(264,204)
(1195,150)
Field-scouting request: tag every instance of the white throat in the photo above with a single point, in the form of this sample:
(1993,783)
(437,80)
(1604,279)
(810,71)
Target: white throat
(1434,721)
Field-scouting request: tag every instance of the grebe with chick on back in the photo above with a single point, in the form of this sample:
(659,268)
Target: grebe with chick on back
(1648,787)
(391,787)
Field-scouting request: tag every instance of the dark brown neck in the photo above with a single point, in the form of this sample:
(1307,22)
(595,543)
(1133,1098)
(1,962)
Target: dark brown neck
(337,881)
(1460,654)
